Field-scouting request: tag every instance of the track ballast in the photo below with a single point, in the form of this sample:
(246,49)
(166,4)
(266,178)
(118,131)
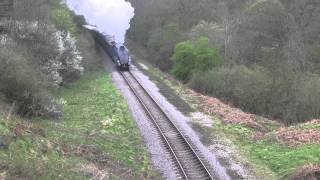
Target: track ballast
(187,162)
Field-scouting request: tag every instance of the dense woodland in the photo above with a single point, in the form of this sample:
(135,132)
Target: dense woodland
(261,55)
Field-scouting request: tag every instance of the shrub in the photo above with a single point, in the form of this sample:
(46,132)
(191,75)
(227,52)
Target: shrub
(37,56)
(161,44)
(189,57)
(92,59)
(245,87)
(22,83)
(314,59)
(280,93)
(183,60)
(53,52)
(206,57)
(308,95)
(214,32)
(63,19)
(69,58)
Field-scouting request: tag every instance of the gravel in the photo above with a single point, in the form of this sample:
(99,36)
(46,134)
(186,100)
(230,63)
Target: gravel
(181,122)
(160,158)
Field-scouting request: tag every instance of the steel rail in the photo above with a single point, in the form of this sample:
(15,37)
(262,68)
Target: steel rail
(163,136)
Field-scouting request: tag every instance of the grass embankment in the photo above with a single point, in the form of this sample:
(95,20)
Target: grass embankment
(96,137)
(273,150)
(272,153)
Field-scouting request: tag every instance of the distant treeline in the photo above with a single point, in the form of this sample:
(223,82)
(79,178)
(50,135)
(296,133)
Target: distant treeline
(261,55)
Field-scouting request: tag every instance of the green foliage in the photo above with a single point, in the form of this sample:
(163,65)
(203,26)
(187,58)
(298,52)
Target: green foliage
(22,84)
(314,59)
(268,33)
(36,58)
(91,53)
(96,129)
(33,156)
(189,57)
(280,93)
(307,96)
(161,44)
(63,19)
(3,127)
(183,60)
(213,31)
(206,57)
(27,161)
(278,158)
(281,160)
(257,5)
(307,126)
(241,131)
(93,106)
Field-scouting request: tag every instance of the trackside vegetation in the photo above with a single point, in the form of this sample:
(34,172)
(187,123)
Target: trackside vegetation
(60,115)
(266,147)
(284,161)
(95,137)
(191,57)
(63,19)
(267,49)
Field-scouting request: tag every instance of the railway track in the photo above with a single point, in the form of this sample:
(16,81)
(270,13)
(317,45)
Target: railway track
(188,165)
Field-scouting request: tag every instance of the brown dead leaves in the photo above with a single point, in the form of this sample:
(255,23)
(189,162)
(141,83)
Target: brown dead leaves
(309,172)
(229,114)
(297,135)
(294,137)
(291,136)
(20,129)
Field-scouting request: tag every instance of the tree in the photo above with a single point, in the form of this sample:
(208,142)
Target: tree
(189,58)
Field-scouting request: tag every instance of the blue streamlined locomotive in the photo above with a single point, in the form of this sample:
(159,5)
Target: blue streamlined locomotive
(119,55)
(124,59)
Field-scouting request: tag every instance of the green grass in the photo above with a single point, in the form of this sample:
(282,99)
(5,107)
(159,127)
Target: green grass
(281,160)
(96,128)
(267,158)
(307,126)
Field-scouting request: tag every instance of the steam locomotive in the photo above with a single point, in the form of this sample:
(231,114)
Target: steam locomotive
(107,43)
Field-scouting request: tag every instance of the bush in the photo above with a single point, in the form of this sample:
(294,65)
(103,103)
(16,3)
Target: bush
(214,32)
(53,52)
(239,84)
(63,19)
(183,60)
(189,57)
(38,53)
(20,82)
(280,93)
(308,96)
(161,44)
(92,59)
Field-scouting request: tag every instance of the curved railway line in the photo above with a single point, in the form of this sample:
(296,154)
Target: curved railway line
(187,163)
